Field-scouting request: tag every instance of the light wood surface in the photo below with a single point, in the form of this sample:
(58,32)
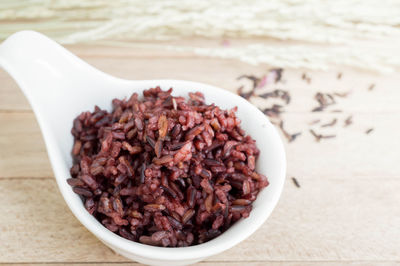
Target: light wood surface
(347,210)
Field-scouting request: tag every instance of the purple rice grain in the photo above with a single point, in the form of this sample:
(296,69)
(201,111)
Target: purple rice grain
(330,124)
(348,121)
(295,182)
(369,130)
(371,87)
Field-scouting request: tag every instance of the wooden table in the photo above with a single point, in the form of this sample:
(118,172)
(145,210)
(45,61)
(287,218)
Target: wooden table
(347,210)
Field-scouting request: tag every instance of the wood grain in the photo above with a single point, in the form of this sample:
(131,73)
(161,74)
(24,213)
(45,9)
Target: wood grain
(345,212)
(22,151)
(313,223)
(232,263)
(153,64)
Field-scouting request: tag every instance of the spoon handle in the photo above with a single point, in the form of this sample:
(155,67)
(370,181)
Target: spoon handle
(39,64)
(57,84)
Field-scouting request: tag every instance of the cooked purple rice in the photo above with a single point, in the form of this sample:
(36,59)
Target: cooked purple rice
(163,170)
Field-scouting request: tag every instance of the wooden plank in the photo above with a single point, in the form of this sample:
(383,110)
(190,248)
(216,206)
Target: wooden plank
(22,150)
(234,263)
(38,226)
(313,223)
(352,154)
(11,97)
(140,63)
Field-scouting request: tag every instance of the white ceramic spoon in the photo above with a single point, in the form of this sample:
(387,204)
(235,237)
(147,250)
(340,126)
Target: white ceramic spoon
(59,86)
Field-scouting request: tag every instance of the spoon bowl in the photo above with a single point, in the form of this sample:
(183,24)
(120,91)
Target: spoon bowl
(59,86)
